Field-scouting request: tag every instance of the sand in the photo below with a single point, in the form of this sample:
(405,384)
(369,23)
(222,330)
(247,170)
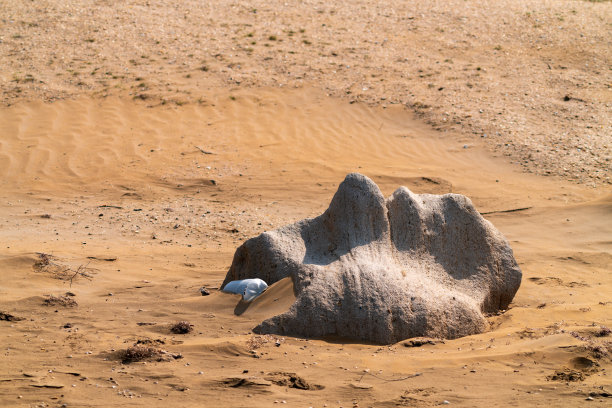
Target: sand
(125,193)
(530,77)
(132,205)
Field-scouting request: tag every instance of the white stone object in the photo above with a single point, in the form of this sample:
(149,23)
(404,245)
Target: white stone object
(248,288)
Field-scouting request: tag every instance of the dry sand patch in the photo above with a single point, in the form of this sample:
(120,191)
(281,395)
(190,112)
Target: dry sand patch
(134,187)
(530,78)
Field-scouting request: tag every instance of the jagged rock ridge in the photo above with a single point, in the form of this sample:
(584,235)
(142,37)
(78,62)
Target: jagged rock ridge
(383,270)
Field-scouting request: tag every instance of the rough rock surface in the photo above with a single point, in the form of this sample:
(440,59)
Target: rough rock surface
(384,270)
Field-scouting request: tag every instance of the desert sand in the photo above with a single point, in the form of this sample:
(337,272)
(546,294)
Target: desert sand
(121,200)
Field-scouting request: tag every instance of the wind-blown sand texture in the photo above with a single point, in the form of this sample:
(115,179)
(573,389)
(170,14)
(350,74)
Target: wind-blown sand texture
(530,77)
(125,195)
(384,270)
(132,205)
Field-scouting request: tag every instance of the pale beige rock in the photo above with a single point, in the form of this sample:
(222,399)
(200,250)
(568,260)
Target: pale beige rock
(384,270)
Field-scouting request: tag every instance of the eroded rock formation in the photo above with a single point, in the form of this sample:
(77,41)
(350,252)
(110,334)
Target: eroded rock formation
(384,270)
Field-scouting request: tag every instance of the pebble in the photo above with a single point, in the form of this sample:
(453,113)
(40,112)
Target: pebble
(204,291)
(445,402)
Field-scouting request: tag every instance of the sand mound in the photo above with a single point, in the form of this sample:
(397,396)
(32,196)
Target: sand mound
(384,270)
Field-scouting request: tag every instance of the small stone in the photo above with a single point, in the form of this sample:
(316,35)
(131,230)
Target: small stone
(204,291)
(445,402)
(590,398)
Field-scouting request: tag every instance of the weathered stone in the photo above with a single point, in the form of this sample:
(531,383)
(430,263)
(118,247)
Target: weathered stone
(384,270)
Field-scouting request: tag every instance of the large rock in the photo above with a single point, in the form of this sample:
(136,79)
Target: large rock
(383,270)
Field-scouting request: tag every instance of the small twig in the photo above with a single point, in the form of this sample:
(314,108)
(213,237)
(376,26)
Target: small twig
(69,373)
(111,259)
(202,150)
(392,379)
(81,270)
(506,211)
(569,98)
(110,206)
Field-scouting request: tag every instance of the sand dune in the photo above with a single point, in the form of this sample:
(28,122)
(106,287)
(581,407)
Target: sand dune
(141,206)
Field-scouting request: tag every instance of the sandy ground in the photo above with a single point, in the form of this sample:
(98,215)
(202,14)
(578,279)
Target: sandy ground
(134,218)
(530,77)
(115,210)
